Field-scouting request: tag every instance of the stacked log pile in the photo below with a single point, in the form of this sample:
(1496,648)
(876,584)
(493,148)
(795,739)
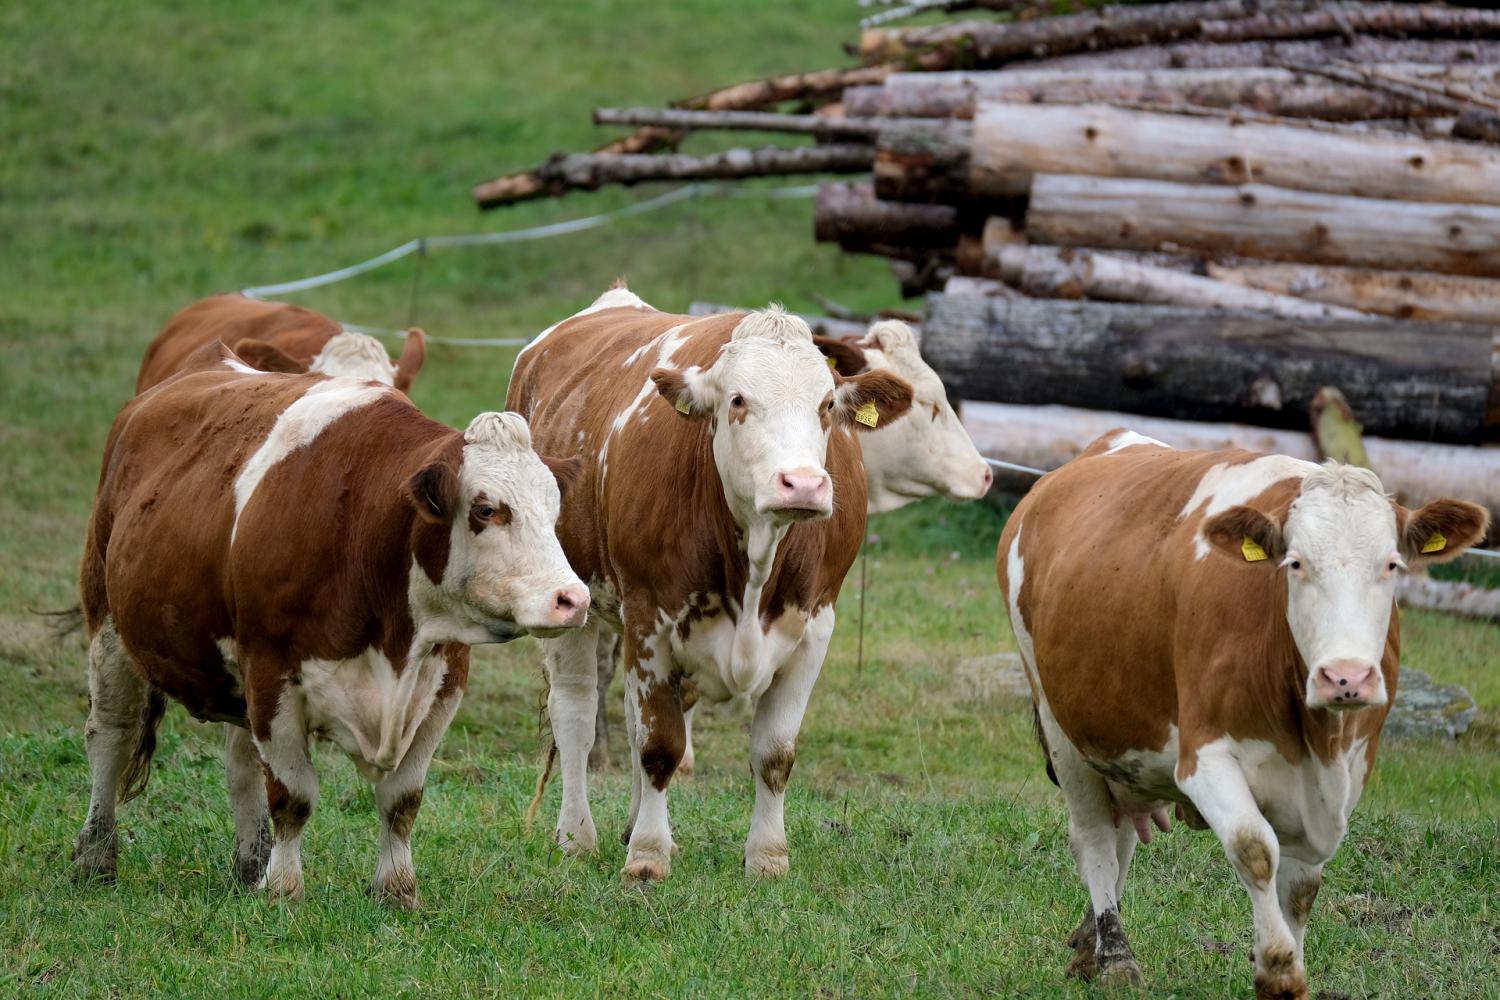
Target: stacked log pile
(1190,211)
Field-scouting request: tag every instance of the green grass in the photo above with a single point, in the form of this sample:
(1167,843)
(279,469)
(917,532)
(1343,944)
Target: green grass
(161,151)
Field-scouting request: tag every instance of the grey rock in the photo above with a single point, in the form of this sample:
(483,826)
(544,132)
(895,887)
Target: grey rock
(1425,709)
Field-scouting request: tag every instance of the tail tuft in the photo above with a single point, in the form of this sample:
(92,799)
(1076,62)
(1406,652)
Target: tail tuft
(138,771)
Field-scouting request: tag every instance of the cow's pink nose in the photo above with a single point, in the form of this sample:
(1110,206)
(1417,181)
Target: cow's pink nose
(570,606)
(802,491)
(987,480)
(1347,683)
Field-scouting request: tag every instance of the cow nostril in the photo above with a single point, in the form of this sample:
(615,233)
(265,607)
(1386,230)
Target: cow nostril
(1343,682)
(565,601)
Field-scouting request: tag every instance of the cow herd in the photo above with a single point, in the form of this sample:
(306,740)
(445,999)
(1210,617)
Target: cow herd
(282,543)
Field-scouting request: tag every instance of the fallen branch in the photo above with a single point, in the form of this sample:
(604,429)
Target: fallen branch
(528,184)
(1361,49)
(1474,120)
(791,87)
(822,126)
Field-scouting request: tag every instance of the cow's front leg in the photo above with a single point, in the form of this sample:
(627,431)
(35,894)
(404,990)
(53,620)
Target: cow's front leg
(1218,788)
(657,739)
(607,652)
(398,796)
(278,724)
(247,800)
(689,696)
(572,695)
(1297,885)
(773,745)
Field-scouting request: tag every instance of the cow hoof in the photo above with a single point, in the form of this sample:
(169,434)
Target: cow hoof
(646,870)
(94,859)
(398,895)
(583,843)
(768,864)
(1083,965)
(1282,987)
(1123,972)
(283,889)
(250,861)
(94,872)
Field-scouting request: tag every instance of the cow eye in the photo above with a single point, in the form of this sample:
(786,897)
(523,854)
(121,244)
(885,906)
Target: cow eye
(737,401)
(1295,564)
(829,407)
(484,512)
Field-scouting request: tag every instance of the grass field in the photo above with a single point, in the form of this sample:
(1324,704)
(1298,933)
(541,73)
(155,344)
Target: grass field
(160,151)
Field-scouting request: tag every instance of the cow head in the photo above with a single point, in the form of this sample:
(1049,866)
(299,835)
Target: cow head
(1341,546)
(494,504)
(773,401)
(358,355)
(927,453)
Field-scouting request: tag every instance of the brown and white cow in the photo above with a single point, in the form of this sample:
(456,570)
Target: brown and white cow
(927,454)
(721,503)
(276,337)
(299,556)
(1215,630)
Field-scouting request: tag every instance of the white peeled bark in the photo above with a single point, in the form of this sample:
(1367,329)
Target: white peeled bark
(1014,142)
(1420,295)
(1418,590)
(1045,437)
(1050,272)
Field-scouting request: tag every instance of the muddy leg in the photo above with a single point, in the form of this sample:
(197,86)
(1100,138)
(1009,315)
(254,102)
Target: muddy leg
(608,652)
(247,798)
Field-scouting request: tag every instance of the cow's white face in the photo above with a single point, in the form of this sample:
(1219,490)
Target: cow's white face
(927,453)
(1341,547)
(505,571)
(355,355)
(773,402)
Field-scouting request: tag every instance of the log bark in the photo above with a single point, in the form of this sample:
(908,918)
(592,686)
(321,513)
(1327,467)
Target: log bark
(851,216)
(1419,295)
(822,126)
(528,184)
(1045,437)
(589,171)
(1052,273)
(987,43)
(1013,142)
(1257,220)
(1431,382)
(790,87)
(1361,49)
(990,43)
(1268,90)
(1475,121)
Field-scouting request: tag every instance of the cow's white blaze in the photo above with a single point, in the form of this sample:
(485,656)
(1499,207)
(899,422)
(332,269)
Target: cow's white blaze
(1228,485)
(928,452)
(354,355)
(1341,565)
(504,575)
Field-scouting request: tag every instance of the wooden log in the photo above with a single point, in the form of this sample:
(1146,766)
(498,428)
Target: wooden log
(1419,295)
(589,171)
(1053,273)
(1418,590)
(1361,49)
(789,87)
(1409,380)
(851,216)
(1045,437)
(528,184)
(1475,121)
(1269,90)
(991,43)
(988,43)
(1258,220)
(1013,142)
(822,126)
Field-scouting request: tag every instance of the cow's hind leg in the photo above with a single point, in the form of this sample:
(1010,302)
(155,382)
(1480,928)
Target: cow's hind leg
(773,746)
(119,737)
(247,799)
(657,739)
(607,651)
(689,762)
(1102,851)
(572,695)
(398,796)
(291,786)
(1297,885)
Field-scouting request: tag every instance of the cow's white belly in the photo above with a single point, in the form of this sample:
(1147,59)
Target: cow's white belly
(366,708)
(705,654)
(1308,803)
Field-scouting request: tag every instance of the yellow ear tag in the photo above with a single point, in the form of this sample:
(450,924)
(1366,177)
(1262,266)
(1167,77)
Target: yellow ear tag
(682,406)
(1436,543)
(1252,551)
(867,415)
(831,363)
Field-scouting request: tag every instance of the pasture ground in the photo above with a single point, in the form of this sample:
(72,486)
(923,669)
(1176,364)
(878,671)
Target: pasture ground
(161,151)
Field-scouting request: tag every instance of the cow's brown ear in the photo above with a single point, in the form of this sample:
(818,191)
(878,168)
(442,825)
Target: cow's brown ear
(674,388)
(846,357)
(1247,535)
(1439,531)
(871,400)
(433,492)
(567,472)
(410,362)
(266,357)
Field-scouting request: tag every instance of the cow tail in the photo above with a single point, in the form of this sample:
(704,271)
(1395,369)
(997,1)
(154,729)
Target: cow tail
(1041,738)
(541,788)
(138,770)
